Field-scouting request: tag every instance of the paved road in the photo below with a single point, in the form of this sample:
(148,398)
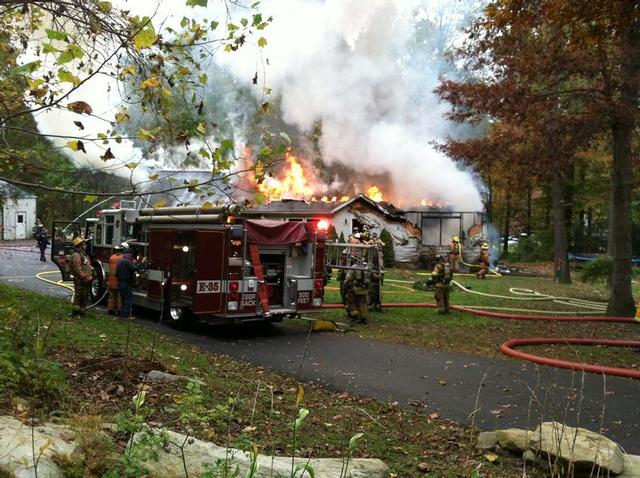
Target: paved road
(512,393)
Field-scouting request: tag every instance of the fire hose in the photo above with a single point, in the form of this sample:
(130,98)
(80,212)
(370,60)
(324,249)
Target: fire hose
(496,273)
(509,347)
(67,286)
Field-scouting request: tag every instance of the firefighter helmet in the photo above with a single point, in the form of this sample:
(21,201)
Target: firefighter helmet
(485,245)
(79,240)
(456,239)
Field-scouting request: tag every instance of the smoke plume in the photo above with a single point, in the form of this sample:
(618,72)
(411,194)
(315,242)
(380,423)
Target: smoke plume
(346,65)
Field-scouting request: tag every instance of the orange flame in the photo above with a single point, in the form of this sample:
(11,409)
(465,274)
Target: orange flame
(374,193)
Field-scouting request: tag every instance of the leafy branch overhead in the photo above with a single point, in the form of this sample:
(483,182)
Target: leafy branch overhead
(153,66)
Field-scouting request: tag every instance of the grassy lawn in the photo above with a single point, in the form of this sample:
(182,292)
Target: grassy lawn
(86,372)
(463,332)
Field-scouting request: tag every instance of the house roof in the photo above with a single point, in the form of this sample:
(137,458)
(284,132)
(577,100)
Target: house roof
(9,190)
(203,186)
(291,207)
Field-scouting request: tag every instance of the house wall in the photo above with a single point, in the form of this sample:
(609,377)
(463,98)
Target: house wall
(11,206)
(406,240)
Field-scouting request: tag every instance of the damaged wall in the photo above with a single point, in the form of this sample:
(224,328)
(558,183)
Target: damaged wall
(406,237)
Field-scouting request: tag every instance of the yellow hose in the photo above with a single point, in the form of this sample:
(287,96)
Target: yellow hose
(58,283)
(497,274)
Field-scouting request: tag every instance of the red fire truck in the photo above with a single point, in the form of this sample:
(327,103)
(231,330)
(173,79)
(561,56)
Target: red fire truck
(206,263)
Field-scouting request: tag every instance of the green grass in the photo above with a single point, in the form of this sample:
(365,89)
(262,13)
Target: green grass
(104,361)
(464,332)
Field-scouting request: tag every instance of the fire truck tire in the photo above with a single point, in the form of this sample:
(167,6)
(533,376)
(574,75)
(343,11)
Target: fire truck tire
(179,318)
(97,290)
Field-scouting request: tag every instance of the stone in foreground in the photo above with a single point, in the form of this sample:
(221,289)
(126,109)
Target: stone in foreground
(17,451)
(197,452)
(579,446)
(514,439)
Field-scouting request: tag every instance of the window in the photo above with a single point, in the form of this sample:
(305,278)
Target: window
(98,237)
(20,218)
(108,240)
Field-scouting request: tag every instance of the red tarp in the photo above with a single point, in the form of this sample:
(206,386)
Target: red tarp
(267,232)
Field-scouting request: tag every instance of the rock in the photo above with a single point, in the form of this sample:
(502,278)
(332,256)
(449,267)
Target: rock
(487,440)
(631,467)
(198,452)
(159,376)
(579,446)
(16,449)
(530,457)
(514,439)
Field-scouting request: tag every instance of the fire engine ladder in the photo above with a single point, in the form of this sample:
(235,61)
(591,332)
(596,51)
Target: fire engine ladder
(352,256)
(259,270)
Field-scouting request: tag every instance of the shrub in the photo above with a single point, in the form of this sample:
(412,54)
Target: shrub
(341,238)
(388,253)
(332,235)
(598,270)
(535,248)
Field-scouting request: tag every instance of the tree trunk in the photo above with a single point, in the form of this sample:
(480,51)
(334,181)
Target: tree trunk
(528,223)
(506,224)
(622,127)
(620,298)
(560,259)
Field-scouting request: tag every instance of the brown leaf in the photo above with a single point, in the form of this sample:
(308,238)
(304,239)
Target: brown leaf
(78,124)
(80,107)
(107,155)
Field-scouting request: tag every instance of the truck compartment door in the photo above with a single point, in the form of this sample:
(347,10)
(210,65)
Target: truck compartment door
(210,264)
(160,259)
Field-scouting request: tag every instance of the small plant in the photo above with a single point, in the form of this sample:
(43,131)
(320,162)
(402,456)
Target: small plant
(598,270)
(193,410)
(222,468)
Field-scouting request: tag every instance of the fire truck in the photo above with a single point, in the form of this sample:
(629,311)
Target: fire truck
(205,263)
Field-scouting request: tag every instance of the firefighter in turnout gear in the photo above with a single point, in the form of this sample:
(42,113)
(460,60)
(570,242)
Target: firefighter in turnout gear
(377,274)
(442,276)
(82,276)
(484,261)
(356,288)
(115,301)
(454,253)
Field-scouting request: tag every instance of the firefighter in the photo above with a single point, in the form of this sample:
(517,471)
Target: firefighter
(377,274)
(454,253)
(356,288)
(82,276)
(366,237)
(126,275)
(42,238)
(115,301)
(484,261)
(441,277)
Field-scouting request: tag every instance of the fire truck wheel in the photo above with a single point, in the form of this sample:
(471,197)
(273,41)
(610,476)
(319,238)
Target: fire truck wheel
(97,285)
(180,318)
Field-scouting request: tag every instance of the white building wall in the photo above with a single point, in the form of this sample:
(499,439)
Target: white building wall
(10,208)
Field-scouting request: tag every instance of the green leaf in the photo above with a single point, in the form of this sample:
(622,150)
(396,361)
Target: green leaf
(204,79)
(262,42)
(257,19)
(196,3)
(145,134)
(255,4)
(72,52)
(201,128)
(226,145)
(146,37)
(354,440)
(56,35)
(27,68)
(302,414)
(259,199)
(105,7)
(139,398)
(244,22)
(306,467)
(89,198)
(49,48)
(214,25)
(66,77)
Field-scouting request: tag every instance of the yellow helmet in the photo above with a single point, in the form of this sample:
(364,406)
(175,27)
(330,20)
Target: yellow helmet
(485,245)
(78,240)
(456,239)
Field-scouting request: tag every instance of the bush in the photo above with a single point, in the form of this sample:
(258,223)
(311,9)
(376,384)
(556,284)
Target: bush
(598,270)
(341,239)
(388,253)
(31,377)
(535,248)
(332,235)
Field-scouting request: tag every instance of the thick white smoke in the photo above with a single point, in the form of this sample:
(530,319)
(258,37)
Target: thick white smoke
(342,63)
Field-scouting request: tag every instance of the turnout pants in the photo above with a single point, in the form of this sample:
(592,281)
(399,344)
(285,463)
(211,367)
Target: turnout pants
(115,301)
(80,297)
(442,298)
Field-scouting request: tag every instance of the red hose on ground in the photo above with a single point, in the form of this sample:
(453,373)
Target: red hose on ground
(508,347)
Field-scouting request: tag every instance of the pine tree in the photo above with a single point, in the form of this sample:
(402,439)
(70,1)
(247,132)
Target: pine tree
(341,238)
(388,253)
